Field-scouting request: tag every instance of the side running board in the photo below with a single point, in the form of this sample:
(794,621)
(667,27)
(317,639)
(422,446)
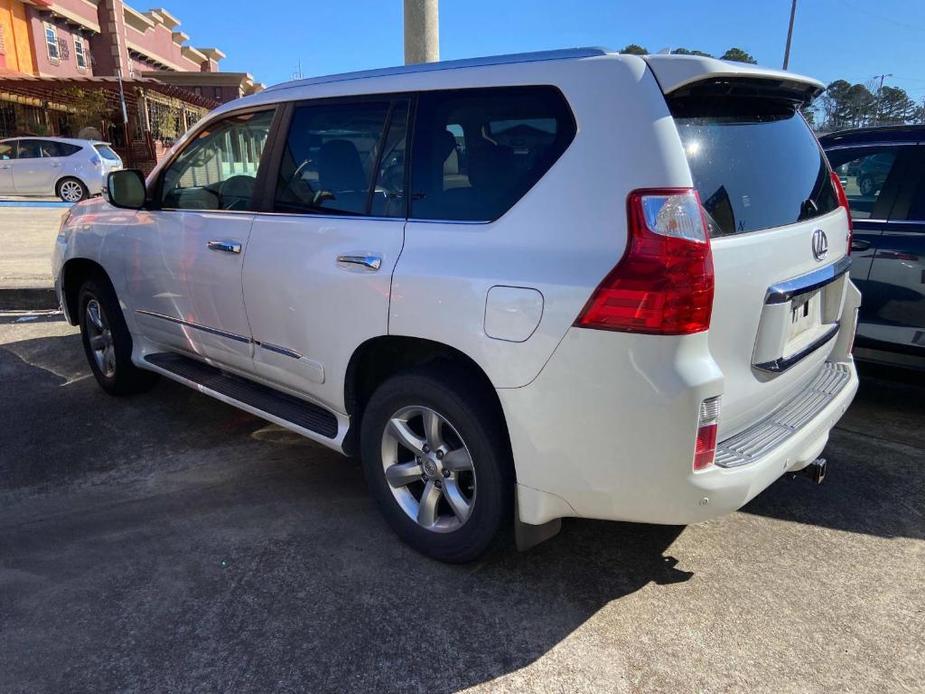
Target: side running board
(298,412)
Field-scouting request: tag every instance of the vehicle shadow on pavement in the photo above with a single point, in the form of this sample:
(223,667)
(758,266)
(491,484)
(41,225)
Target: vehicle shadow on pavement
(169,542)
(875,481)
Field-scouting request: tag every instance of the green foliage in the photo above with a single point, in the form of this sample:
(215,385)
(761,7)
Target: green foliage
(634,49)
(90,106)
(739,56)
(684,51)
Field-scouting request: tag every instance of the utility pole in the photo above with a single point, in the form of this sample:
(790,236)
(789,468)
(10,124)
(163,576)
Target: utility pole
(793,14)
(422,31)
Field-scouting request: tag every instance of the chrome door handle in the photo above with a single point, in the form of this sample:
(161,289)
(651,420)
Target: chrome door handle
(5,166)
(225,246)
(366,262)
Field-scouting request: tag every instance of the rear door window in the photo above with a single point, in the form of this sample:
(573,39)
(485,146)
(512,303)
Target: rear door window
(870,177)
(478,151)
(345,157)
(755,163)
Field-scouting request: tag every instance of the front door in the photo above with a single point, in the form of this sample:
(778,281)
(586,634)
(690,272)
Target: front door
(188,252)
(318,270)
(7,154)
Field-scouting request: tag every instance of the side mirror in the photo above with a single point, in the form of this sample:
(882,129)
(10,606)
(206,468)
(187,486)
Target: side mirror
(126,189)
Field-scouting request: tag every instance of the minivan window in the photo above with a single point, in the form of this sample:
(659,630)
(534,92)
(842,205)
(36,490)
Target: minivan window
(333,153)
(478,151)
(218,168)
(755,163)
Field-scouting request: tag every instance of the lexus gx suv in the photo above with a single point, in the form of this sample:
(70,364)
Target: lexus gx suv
(517,288)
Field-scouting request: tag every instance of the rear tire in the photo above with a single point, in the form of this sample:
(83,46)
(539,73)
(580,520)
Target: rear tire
(866,186)
(449,492)
(107,341)
(71,189)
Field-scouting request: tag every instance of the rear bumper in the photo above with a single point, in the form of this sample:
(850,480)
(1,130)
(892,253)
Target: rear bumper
(607,430)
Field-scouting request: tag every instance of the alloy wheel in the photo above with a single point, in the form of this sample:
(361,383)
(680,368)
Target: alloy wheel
(99,337)
(429,469)
(71,191)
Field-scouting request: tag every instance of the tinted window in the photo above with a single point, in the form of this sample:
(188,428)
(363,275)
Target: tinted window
(333,153)
(755,163)
(7,150)
(864,173)
(218,169)
(478,151)
(30,149)
(59,149)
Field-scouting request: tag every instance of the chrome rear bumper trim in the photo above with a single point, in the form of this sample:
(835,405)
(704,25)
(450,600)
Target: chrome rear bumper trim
(763,437)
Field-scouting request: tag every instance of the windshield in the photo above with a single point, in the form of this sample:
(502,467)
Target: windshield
(755,163)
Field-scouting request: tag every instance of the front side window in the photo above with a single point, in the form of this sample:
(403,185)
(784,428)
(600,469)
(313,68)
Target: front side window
(80,53)
(339,159)
(478,151)
(218,169)
(864,172)
(7,150)
(51,41)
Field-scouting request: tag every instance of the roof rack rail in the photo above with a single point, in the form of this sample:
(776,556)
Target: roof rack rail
(560,54)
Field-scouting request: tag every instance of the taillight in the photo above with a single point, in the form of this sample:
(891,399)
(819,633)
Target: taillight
(843,202)
(663,285)
(705,443)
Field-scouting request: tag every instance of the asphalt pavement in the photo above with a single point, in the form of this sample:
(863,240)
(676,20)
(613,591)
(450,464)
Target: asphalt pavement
(168,542)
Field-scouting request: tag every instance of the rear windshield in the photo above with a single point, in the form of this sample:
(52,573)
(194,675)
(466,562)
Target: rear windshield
(106,152)
(754,162)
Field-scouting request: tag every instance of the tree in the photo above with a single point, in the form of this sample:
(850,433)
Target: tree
(739,56)
(684,51)
(895,106)
(634,49)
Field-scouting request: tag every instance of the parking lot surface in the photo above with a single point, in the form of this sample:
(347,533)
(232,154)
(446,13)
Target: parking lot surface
(167,542)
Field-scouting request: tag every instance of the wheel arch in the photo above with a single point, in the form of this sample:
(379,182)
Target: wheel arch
(74,273)
(381,357)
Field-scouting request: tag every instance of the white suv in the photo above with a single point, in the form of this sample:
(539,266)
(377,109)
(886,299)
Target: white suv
(526,287)
(68,168)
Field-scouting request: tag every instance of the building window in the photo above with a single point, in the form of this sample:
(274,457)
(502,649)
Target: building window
(51,41)
(80,52)
(217,93)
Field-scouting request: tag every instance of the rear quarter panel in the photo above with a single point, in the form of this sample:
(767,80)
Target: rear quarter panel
(562,237)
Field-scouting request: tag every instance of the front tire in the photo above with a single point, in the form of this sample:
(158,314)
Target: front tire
(866,186)
(107,341)
(71,190)
(436,459)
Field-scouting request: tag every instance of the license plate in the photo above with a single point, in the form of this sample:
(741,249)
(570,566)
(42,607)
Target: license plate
(804,314)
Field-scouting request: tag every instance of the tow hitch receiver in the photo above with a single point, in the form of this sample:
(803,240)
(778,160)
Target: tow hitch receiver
(814,471)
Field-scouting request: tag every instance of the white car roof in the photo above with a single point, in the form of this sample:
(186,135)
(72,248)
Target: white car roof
(46,138)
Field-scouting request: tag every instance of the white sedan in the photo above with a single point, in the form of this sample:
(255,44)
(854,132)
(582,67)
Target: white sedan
(68,168)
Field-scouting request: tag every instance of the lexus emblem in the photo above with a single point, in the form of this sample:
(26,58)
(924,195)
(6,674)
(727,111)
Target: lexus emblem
(820,244)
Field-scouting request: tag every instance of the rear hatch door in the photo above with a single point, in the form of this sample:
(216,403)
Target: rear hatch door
(778,234)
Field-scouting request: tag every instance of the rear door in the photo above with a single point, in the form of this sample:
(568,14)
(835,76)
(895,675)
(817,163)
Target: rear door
(896,285)
(872,175)
(319,264)
(35,168)
(779,240)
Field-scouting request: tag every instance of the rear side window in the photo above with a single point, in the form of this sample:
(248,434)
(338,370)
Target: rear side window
(106,152)
(63,149)
(755,163)
(478,151)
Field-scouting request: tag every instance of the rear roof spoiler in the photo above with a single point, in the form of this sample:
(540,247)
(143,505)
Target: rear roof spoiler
(684,75)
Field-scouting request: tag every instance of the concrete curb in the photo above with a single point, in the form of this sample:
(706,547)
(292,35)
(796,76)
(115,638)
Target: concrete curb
(27,299)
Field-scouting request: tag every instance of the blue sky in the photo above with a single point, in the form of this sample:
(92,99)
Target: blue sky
(850,39)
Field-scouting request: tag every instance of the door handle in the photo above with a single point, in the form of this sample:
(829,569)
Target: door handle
(859,245)
(370,263)
(225,246)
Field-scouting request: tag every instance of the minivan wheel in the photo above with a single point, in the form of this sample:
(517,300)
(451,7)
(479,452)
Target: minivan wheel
(107,341)
(435,462)
(71,190)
